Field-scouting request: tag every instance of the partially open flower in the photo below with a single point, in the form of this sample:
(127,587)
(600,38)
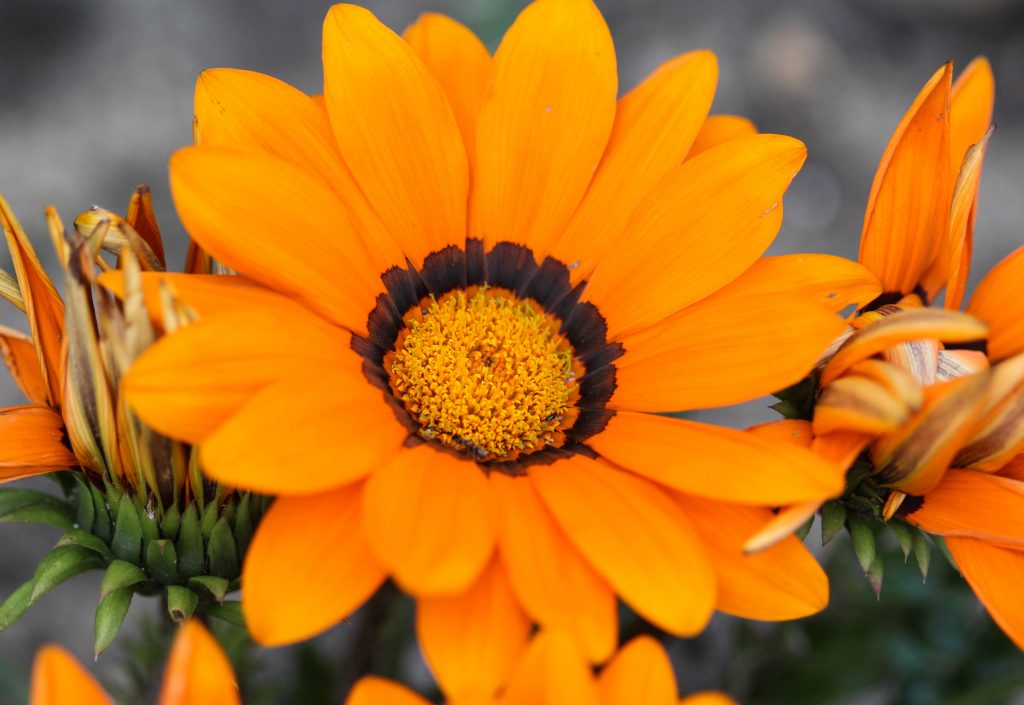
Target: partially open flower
(137,504)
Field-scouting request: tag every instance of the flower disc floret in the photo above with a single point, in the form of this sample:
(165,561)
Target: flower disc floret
(484,372)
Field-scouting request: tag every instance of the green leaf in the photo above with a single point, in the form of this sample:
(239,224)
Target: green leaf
(222,552)
(181,603)
(243,523)
(148,523)
(216,587)
(120,575)
(16,604)
(230,612)
(110,614)
(127,541)
(833,517)
(904,534)
(863,542)
(60,564)
(922,554)
(804,529)
(191,556)
(944,550)
(32,507)
(162,561)
(77,537)
(208,520)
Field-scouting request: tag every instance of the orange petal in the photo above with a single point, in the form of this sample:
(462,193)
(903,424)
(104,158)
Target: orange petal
(308,567)
(635,537)
(780,526)
(192,381)
(971,104)
(715,462)
(959,241)
(32,442)
(556,586)
(732,347)
(545,123)
(975,505)
(142,218)
(999,301)
(552,672)
(377,691)
(472,640)
(909,201)
(57,679)
(461,64)
(43,306)
(1014,469)
(640,674)
(655,124)
(198,671)
(719,129)
(428,518)
(858,404)
(314,430)
(251,111)
(913,458)
(206,294)
(22,362)
(995,574)
(278,225)
(402,144)
(702,226)
(707,698)
(834,281)
(781,582)
(953,364)
(899,327)
(900,383)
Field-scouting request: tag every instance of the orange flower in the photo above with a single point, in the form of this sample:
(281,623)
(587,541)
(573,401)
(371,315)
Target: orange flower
(467,284)
(552,671)
(198,673)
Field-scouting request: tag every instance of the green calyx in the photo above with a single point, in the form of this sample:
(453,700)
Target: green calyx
(192,557)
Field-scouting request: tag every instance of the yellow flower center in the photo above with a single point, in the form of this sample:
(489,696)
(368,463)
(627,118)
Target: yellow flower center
(484,373)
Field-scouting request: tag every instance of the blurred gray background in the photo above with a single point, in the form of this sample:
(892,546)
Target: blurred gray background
(95,94)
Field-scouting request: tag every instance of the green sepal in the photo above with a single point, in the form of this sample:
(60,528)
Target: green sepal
(127,541)
(120,575)
(875,573)
(16,604)
(904,534)
(863,542)
(110,613)
(181,603)
(833,518)
(78,537)
(170,522)
(243,524)
(85,510)
(162,561)
(208,520)
(230,612)
(922,554)
(31,507)
(102,526)
(216,587)
(222,551)
(944,550)
(191,557)
(148,524)
(804,529)
(60,564)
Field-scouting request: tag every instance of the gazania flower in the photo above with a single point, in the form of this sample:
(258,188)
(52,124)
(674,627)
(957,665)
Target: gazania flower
(139,506)
(198,673)
(552,671)
(928,389)
(467,284)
